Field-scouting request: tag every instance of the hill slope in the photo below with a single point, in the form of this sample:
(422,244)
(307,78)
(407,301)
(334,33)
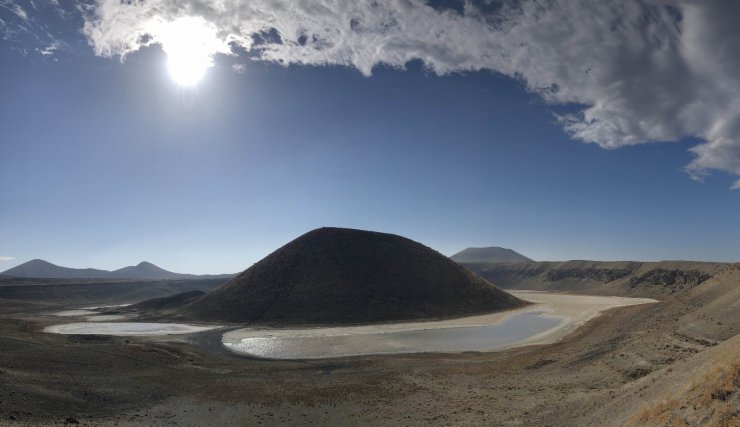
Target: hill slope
(490,254)
(333,275)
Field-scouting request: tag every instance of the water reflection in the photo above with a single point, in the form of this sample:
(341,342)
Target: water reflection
(455,339)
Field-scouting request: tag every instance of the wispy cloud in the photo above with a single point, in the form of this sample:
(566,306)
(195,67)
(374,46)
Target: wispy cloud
(48,50)
(7,258)
(26,26)
(13,7)
(634,71)
(20,12)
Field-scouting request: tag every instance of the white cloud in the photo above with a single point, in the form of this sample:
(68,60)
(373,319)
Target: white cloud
(20,12)
(50,49)
(14,8)
(641,71)
(7,258)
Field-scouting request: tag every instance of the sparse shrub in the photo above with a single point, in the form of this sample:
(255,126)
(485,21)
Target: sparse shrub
(656,413)
(719,383)
(714,396)
(726,416)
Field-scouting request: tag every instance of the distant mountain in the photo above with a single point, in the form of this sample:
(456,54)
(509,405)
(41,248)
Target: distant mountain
(147,270)
(41,269)
(38,268)
(490,254)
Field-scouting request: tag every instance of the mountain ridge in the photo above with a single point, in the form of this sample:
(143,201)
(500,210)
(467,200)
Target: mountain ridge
(42,269)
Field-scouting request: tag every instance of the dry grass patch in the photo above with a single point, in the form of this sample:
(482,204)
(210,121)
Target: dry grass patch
(659,413)
(719,384)
(711,401)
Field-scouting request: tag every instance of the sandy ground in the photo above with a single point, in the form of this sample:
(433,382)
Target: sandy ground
(573,310)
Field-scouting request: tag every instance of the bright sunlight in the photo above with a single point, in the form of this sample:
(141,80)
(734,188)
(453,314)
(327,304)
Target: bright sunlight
(189,43)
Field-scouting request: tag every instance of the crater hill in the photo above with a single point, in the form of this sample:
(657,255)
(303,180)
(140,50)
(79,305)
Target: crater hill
(341,276)
(489,254)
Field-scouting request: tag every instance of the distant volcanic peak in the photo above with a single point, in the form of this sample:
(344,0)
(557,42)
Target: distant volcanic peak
(147,270)
(39,263)
(489,254)
(148,266)
(339,275)
(38,268)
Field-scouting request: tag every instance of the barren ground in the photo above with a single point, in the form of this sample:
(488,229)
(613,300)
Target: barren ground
(666,363)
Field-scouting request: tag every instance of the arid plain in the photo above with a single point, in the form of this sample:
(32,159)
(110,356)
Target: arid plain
(674,362)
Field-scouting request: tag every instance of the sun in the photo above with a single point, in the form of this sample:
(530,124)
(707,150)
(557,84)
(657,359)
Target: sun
(189,43)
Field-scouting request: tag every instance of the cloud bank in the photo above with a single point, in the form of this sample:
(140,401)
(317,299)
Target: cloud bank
(6,258)
(637,71)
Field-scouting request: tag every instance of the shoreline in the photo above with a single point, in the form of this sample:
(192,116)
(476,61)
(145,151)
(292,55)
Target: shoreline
(574,310)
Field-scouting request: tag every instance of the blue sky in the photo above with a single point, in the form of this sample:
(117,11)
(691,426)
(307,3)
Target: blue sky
(106,163)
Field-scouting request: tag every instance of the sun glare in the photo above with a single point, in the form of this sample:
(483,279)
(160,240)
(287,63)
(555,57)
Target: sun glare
(189,43)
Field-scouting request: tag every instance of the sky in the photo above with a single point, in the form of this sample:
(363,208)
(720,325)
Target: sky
(202,135)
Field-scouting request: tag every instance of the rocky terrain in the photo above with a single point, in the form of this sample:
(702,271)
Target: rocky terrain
(603,278)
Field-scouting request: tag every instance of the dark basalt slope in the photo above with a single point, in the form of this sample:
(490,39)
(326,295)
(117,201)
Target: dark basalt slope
(339,276)
(168,302)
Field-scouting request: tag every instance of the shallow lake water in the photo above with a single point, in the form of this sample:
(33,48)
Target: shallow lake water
(105,317)
(516,328)
(125,328)
(75,312)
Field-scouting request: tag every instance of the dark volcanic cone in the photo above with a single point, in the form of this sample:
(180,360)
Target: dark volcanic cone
(335,275)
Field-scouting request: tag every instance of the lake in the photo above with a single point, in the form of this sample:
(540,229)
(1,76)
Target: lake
(550,317)
(451,339)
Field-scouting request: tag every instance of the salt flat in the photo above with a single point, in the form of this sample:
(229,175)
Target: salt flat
(125,328)
(549,318)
